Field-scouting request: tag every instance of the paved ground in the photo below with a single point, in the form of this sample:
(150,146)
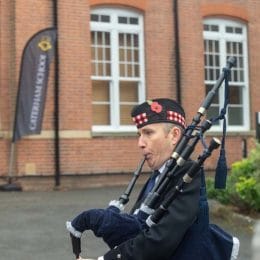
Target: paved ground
(32,224)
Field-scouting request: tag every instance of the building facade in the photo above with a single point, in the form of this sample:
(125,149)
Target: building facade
(112,55)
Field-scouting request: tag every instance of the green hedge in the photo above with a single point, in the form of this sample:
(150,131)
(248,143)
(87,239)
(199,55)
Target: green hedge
(243,184)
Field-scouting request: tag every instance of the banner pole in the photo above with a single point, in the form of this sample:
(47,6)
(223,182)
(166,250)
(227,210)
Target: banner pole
(11,161)
(11,185)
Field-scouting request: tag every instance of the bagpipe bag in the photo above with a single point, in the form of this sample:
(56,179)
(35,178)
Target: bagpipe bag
(112,225)
(206,241)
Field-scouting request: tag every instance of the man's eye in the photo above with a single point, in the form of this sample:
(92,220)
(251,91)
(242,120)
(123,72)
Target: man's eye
(148,133)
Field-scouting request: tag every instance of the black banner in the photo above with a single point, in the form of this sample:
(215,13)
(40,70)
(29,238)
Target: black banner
(37,56)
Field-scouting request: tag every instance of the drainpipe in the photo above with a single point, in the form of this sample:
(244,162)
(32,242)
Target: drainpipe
(56,99)
(177,51)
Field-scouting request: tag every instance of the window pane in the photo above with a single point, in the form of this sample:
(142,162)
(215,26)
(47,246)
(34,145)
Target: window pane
(128,98)
(128,91)
(241,75)
(214,28)
(130,71)
(133,20)
(136,55)
(122,20)
(121,40)
(229,29)
(100,90)
(235,94)
(94,17)
(238,30)
(235,115)
(99,53)
(122,55)
(107,54)
(137,70)
(239,62)
(101,115)
(107,69)
(129,55)
(101,106)
(128,39)
(136,40)
(105,18)
(92,38)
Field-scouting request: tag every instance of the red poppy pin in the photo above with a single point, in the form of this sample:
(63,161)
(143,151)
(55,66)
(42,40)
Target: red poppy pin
(155,106)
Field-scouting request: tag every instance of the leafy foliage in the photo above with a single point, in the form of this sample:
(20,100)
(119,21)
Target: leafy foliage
(243,184)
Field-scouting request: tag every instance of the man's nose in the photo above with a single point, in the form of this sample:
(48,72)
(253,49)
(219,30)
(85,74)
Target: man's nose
(141,142)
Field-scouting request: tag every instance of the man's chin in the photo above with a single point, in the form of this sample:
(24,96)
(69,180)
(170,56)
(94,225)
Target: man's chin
(150,164)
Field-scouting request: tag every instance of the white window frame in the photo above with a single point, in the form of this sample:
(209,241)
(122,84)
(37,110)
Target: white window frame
(222,37)
(114,28)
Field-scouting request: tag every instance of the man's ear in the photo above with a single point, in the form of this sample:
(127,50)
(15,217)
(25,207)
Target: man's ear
(176,134)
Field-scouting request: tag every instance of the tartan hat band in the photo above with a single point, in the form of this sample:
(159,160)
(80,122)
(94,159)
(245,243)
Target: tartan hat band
(172,117)
(158,111)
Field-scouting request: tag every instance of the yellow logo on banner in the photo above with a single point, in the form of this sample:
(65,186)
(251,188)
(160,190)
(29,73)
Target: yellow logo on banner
(45,44)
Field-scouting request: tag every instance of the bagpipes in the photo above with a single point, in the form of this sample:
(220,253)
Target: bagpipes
(203,240)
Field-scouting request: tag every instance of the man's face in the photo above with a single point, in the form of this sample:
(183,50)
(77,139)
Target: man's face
(157,143)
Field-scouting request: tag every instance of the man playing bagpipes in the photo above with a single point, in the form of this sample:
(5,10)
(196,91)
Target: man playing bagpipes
(170,217)
(160,124)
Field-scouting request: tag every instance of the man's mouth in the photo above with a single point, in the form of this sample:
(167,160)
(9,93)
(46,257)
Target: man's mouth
(148,156)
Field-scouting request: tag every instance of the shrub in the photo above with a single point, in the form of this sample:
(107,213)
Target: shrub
(243,184)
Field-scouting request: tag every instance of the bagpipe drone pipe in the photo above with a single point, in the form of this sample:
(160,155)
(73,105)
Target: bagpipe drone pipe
(203,240)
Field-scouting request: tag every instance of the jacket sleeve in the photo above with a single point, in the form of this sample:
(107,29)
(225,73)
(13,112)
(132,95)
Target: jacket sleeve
(160,241)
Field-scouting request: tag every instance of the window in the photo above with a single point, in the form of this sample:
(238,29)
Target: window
(117,67)
(222,39)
